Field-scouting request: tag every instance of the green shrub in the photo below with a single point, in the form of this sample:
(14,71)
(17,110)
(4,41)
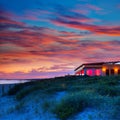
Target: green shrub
(47,105)
(106,90)
(117,101)
(116,111)
(20,95)
(16,89)
(76,102)
(108,80)
(19,105)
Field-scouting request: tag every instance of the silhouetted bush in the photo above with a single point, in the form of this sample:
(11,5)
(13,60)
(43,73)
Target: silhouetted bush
(16,89)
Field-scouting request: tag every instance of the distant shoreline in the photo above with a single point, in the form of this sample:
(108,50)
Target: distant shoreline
(11,81)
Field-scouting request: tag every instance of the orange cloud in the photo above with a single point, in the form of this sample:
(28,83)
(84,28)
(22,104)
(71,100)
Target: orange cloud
(29,51)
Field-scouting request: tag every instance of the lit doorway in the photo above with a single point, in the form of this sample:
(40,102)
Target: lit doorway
(112,72)
(107,72)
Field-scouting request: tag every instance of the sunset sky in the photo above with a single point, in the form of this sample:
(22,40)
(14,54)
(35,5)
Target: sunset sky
(47,38)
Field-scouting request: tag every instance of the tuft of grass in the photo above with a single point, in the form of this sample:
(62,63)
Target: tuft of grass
(106,90)
(116,111)
(17,107)
(10,110)
(20,105)
(23,93)
(46,105)
(76,102)
(18,87)
(15,89)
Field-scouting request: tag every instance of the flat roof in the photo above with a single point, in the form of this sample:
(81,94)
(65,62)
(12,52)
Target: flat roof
(97,63)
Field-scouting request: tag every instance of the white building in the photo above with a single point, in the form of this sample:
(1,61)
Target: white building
(99,69)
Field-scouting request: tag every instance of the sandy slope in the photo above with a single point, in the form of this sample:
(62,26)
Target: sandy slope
(35,107)
(31,108)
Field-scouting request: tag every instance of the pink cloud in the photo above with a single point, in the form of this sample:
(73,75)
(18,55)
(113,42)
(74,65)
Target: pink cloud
(81,51)
(118,6)
(93,7)
(45,52)
(108,30)
(80,11)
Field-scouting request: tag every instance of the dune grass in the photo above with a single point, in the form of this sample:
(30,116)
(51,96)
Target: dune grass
(83,92)
(76,102)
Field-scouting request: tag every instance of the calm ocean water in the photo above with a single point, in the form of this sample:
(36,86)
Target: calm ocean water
(10,81)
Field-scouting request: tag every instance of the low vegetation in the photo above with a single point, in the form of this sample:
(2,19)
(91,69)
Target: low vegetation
(76,102)
(83,92)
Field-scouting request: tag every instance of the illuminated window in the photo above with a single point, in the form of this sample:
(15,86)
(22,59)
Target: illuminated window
(78,73)
(82,72)
(116,70)
(97,72)
(103,69)
(89,72)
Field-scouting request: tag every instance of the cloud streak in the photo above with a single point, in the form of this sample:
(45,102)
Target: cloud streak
(108,30)
(51,42)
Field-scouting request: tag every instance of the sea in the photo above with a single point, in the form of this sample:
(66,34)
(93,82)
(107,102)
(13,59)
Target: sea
(13,81)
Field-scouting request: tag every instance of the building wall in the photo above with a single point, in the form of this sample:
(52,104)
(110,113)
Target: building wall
(103,70)
(111,69)
(90,72)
